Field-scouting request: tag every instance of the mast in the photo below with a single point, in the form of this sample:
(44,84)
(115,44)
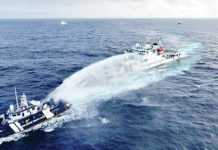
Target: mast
(16,98)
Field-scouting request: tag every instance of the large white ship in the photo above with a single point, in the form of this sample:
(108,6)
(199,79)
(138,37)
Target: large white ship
(151,55)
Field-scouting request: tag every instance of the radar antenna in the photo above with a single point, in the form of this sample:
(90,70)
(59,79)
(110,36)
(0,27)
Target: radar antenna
(16,97)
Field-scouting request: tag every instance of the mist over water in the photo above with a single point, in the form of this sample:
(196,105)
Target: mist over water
(107,78)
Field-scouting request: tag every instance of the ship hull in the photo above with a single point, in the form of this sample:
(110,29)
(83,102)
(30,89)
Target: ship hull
(151,62)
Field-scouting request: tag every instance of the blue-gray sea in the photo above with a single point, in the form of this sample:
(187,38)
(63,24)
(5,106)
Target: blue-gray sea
(174,106)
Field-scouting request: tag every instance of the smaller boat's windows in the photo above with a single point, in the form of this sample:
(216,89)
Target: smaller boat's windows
(22,114)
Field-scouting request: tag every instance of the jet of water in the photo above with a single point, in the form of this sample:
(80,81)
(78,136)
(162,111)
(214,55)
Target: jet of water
(107,78)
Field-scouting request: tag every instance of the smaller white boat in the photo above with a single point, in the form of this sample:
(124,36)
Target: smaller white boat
(28,114)
(63,22)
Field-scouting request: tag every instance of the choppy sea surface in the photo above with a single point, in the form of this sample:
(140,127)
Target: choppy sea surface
(173,106)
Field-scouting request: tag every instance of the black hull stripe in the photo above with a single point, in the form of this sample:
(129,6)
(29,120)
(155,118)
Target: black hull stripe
(17,126)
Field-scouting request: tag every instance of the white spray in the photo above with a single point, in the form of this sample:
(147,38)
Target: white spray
(107,78)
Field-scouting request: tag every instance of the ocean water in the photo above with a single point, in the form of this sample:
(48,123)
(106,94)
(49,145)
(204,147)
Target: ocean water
(174,106)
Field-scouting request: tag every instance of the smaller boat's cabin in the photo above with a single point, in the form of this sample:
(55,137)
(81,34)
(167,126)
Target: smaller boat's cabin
(23,109)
